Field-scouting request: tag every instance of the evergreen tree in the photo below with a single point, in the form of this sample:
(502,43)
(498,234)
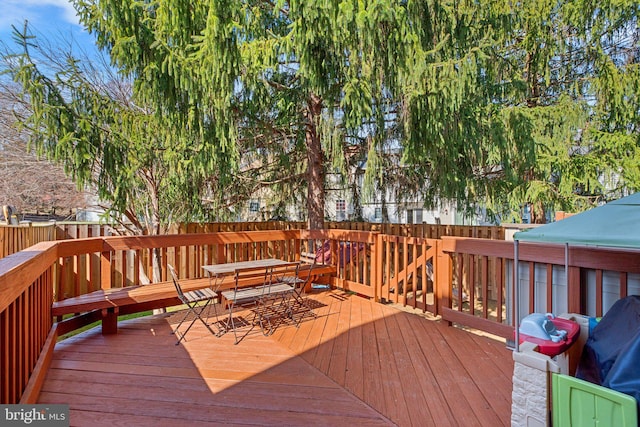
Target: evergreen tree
(82,116)
(490,103)
(258,77)
(530,103)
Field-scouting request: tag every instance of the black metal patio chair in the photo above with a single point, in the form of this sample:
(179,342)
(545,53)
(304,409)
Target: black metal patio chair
(268,300)
(300,286)
(196,301)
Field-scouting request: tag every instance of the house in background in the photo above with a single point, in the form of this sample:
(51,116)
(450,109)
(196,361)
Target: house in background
(340,206)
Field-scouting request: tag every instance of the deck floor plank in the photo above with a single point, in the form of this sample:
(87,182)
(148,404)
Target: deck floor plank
(354,373)
(396,406)
(460,392)
(356,363)
(320,356)
(372,384)
(412,391)
(482,370)
(340,342)
(425,378)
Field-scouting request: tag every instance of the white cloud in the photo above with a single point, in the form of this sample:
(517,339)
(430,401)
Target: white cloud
(52,20)
(16,11)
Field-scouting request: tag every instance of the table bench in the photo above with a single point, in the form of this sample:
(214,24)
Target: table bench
(106,305)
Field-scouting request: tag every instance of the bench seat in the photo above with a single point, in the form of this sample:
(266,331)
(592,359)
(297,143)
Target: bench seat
(133,299)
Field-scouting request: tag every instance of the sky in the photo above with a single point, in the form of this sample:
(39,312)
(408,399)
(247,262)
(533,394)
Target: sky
(53,19)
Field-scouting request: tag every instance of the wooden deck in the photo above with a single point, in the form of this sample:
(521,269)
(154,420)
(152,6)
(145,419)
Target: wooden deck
(357,363)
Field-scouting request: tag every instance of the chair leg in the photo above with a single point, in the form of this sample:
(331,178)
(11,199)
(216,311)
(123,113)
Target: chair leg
(261,311)
(215,313)
(290,307)
(199,314)
(188,311)
(299,299)
(197,311)
(176,331)
(231,324)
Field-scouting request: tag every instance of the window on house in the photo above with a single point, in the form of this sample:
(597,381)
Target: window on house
(377,214)
(418,216)
(409,216)
(254,206)
(341,210)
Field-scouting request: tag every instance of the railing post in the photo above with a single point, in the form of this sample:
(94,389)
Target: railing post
(574,300)
(376,268)
(297,248)
(221,255)
(443,276)
(335,258)
(105,270)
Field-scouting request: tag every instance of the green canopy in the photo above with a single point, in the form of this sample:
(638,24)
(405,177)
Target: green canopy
(616,224)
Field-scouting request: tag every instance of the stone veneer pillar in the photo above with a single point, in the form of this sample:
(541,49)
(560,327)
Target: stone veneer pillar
(531,396)
(530,399)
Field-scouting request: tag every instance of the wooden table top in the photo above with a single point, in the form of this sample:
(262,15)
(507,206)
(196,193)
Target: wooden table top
(231,267)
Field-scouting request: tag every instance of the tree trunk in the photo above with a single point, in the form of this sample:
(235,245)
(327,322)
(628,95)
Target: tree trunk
(153,228)
(355,202)
(385,211)
(315,164)
(537,213)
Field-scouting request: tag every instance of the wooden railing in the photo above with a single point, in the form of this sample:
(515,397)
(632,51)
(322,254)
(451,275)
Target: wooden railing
(352,253)
(26,294)
(127,261)
(408,268)
(465,280)
(424,230)
(482,281)
(14,238)
(80,274)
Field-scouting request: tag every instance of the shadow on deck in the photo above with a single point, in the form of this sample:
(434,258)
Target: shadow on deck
(356,363)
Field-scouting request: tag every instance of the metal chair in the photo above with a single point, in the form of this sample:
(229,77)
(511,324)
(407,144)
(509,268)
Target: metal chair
(300,285)
(275,302)
(193,300)
(243,295)
(266,300)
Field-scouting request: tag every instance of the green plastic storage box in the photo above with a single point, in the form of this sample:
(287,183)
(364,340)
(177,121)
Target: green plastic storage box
(578,403)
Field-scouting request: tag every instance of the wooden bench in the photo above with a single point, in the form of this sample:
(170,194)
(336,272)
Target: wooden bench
(106,305)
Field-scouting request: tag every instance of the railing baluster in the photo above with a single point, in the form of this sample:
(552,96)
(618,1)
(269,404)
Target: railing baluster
(532,287)
(599,294)
(499,280)
(623,285)
(549,288)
